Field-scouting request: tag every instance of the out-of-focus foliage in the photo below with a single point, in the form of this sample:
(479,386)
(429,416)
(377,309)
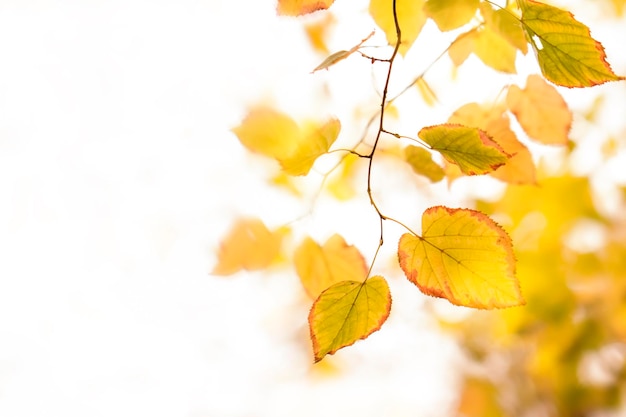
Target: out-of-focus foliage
(545,245)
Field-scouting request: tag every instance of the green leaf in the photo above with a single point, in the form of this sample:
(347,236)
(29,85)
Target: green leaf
(567,54)
(462,256)
(422,163)
(346,312)
(468,147)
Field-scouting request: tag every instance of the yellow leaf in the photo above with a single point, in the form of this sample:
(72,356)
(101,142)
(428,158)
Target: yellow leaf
(317,32)
(620,6)
(505,24)
(479,399)
(494,50)
(520,168)
(422,163)
(319,267)
(411,19)
(346,312)
(341,184)
(451,14)
(248,245)
(276,135)
(300,7)
(462,47)
(316,141)
(541,111)
(268,132)
(426,92)
(567,54)
(468,147)
(462,256)
(286,182)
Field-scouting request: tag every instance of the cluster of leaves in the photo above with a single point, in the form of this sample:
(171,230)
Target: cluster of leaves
(461,254)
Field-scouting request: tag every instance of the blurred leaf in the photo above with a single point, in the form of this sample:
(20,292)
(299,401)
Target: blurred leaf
(248,245)
(319,267)
(494,50)
(314,142)
(505,24)
(422,163)
(346,312)
(541,111)
(427,93)
(451,14)
(286,182)
(479,399)
(468,147)
(520,168)
(411,19)
(462,256)
(341,184)
(567,54)
(276,135)
(317,32)
(300,7)
(462,47)
(268,132)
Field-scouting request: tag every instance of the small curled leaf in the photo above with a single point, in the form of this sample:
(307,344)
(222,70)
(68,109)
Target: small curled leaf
(341,55)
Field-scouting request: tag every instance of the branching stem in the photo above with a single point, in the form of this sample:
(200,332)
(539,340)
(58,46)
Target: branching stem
(381,119)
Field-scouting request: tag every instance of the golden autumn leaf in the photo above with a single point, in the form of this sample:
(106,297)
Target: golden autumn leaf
(319,267)
(468,147)
(268,132)
(451,14)
(567,54)
(462,47)
(488,45)
(314,142)
(276,135)
(541,111)
(422,163)
(520,168)
(505,24)
(463,256)
(494,50)
(300,7)
(411,19)
(249,245)
(317,32)
(346,312)
(341,184)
